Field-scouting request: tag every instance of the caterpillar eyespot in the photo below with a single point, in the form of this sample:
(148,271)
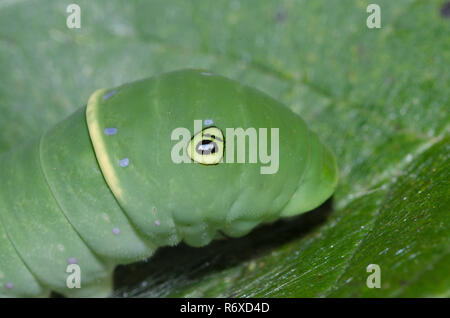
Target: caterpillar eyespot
(207,147)
(100,188)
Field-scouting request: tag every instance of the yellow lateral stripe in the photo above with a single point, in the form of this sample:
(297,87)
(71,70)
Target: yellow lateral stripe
(98,142)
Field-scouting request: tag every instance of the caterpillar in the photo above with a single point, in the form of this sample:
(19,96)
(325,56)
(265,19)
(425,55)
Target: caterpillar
(102,187)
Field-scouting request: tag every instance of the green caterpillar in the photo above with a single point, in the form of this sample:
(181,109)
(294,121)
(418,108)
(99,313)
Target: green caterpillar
(101,188)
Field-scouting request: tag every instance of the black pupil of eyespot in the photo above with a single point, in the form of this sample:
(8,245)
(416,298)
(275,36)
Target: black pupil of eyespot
(206,147)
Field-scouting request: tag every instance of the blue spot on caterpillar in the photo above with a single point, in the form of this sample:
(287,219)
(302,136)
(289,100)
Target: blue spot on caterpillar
(110,131)
(124,162)
(108,95)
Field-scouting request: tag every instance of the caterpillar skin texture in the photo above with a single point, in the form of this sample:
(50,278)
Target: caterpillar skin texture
(100,188)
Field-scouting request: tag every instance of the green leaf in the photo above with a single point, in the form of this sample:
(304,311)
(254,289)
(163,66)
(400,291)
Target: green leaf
(378,97)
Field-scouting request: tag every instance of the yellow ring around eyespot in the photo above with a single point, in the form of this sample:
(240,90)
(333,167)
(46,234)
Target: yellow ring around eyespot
(208,138)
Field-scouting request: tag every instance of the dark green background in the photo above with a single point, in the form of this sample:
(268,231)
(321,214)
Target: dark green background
(379,98)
